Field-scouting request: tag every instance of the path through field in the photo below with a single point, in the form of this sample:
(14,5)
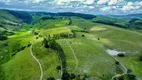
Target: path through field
(73,55)
(41,70)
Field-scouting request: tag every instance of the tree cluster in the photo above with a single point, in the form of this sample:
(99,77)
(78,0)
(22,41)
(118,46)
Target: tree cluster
(2,37)
(52,44)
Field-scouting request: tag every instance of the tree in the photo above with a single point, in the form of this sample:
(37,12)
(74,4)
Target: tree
(72,76)
(121,55)
(83,35)
(51,78)
(3,38)
(78,77)
(45,43)
(65,76)
(131,77)
(117,63)
(70,21)
(98,38)
(140,58)
(58,68)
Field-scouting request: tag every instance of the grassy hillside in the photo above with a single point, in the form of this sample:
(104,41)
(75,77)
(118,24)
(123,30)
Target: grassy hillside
(121,40)
(131,24)
(13,20)
(22,66)
(67,43)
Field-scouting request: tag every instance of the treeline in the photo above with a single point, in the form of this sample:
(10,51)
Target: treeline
(64,35)
(24,16)
(65,14)
(85,31)
(52,44)
(111,23)
(2,37)
(48,17)
(4,34)
(69,14)
(122,23)
(19,48)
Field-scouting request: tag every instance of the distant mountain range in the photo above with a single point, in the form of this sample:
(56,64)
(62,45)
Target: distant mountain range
(130,16)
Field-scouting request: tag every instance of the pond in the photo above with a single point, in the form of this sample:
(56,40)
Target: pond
(114,52)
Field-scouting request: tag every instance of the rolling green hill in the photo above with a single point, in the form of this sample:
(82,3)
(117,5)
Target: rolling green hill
(51,46)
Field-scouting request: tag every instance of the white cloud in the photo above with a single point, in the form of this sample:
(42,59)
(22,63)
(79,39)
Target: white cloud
(106,8)
(88,1)
(91,7)
(62,2)
(132,6)
(95,6)
(102,1)
(113,2)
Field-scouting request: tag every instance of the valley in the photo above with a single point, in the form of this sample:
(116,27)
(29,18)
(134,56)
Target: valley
(68,47)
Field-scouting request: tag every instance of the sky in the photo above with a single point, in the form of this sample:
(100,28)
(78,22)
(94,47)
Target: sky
(99,7)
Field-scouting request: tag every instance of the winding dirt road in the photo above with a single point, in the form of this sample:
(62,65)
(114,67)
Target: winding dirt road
(41,70)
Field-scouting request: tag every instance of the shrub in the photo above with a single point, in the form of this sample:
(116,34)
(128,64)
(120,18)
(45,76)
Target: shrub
(51,78)
(83,35)
(72,76)
(58,68)
(5,44)
(121,78)
(131,77)
(140,58)
(65,76)
(36,37)
(98,38)
(129,70)
(3,37)
(121,55)
(35,33)
(22,48)
(117,63)
(45,43)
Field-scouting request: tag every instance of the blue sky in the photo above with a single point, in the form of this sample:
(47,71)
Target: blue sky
(113,7)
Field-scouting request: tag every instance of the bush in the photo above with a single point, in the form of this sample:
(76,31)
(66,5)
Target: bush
(3,38)
(22,48)
(83,35)
(120,78)
(45,43)
(35,33)
(98,38)
(51,78)
(72,76)
(58,68)
(117,63)
(29,44)
(129,70)
(5,44)
(65,76)
(140,58)
(131,77)
(121,55)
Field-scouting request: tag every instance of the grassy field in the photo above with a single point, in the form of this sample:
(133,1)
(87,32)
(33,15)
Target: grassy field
(21,67)
(121,40)
(14,44)
(49,60)
(84,55)
(91,58)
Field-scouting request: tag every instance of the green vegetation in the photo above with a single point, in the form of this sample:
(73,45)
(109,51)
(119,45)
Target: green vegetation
(68,46)
(22,66)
